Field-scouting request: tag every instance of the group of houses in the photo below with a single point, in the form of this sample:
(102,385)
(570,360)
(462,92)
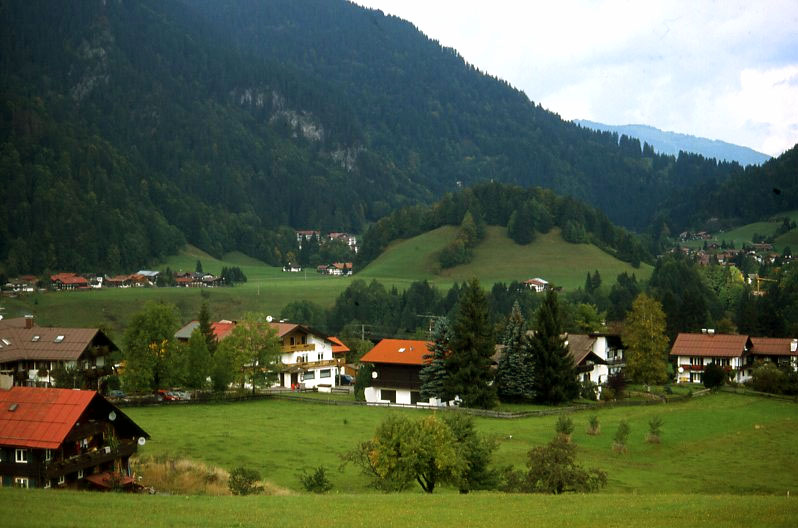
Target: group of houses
(347,238)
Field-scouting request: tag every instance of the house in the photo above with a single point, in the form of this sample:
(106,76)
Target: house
(118,281)
(596,355)
(68,281)
(30,353)
(395,378)
(537,284)
(65,438)
(693,352)
(781,351)
(292,268)
(307,358)
(221,329)
(307,235)
(346,238)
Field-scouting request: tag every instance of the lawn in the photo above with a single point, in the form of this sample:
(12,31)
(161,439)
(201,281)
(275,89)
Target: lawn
(704,441)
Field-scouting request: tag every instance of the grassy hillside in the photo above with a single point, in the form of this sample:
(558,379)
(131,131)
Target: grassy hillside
(498,259)
(743,234)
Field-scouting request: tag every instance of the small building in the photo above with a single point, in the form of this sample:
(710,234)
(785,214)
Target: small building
(68,281)
(221,329)
(781,351)
(537,284)
(65,438)
(307,359)
(395,378)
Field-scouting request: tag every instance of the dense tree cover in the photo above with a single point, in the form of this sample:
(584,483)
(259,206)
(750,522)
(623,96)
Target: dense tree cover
(514,376)
(152,357)
(130,128)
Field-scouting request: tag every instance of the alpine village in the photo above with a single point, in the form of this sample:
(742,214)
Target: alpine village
(299,251)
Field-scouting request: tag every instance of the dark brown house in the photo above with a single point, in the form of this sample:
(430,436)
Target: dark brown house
(64,438)
(397,363)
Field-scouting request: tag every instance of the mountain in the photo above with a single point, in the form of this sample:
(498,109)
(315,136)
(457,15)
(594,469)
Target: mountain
(673,142)
(128,128)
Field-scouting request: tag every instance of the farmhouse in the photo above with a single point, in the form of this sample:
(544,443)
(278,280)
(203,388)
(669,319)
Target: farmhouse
(537,284)
(309,359)
(397,363)
(29,353)
(64,438)
(693,352)
(68,281)
(781,351)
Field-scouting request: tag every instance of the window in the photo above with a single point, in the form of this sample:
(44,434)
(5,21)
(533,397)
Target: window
(325,373)
(319,356)
(80,473)
(309,375)
(61,479)
(21,482)
(48,454)
(697,361)
(21,456)
(389,395)
(414,397)
(58,339)
(304,340)
(48,483)
(291,341)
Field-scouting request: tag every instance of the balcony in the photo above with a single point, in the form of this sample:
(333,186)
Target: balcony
(301,347)
(90,459)
(310,364)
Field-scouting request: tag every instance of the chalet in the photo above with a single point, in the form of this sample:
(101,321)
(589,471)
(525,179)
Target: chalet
(65,438)
(537,284)
(596,355)
(395,378)
(30,353)
(781,351)
(693,352)
(292,268)
(118,281)
(68,281)
(23,284)
(309,359)
(340,350)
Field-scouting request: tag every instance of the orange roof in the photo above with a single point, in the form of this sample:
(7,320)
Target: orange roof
(222,329)
(398,351)
(68,278)
(771,346)
(338,346)
(710,345)
(41,418)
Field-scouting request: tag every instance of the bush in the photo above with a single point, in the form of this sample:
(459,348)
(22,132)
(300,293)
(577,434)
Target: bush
(654,430)
(714,376)
(621,436)
(552,469)
(316,482)
(589,390)
(769,378)
(593,426)
(243,481)
(564,427)
(617,383)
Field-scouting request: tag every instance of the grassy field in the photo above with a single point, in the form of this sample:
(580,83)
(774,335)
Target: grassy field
(744,234)
(705,442)
(67,509)
(269,289)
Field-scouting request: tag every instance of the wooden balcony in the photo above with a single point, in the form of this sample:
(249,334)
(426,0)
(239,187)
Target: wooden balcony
(90,459)
(301,347)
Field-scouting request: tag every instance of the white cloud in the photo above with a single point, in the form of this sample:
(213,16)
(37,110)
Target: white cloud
(724,70)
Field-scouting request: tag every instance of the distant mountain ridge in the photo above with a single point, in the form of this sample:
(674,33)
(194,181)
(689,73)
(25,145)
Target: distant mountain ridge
(671,143)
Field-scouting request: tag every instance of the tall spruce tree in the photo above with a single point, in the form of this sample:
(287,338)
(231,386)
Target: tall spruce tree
(468,365)
(514,378)
(554,371)
(206,328)
(433,375)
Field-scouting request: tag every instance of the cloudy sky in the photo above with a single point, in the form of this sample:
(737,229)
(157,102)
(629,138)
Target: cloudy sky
(724,70)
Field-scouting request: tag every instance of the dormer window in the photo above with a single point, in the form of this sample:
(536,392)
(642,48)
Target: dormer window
(35,338)
(6,342)
(58,339)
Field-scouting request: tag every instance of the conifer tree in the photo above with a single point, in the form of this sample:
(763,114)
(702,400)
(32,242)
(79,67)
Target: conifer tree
(468,364)
(433,375)
(554,371)
(206,328)
(514,378)
(198,359)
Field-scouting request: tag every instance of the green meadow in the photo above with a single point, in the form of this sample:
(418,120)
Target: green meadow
(744,234)
(268,289)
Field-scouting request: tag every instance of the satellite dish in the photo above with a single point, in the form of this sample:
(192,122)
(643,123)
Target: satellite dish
(374,374)
(269,318)
(142,440)
(681,369)
(112,415)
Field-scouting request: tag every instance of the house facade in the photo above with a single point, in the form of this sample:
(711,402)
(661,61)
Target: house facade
(29,354)
(693,352)
(537,284)
(65,438)
(396,367)
(308,359)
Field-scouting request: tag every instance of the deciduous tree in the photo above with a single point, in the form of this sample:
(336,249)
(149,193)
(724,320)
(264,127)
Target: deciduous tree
(253,349)
(646,342)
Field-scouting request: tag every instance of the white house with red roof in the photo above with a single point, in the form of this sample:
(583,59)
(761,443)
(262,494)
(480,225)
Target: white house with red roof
(65,438)
(395,378)
(310,359)
(537,284)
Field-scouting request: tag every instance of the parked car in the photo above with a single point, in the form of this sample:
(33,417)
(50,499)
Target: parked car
(346,379)
(165,395)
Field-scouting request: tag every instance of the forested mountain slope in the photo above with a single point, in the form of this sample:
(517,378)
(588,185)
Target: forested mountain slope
(130,127)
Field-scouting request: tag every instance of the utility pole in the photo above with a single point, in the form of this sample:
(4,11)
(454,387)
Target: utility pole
(432,319)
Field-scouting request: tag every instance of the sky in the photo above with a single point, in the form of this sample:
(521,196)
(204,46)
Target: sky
(722,69)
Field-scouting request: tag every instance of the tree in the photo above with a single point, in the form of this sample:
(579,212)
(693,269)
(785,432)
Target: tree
(555,378)
(515,375)
(646,342)
(198,266)
(472,347)
(714,376)
(433,376)
(520,226)
(253,349)
(198,358)
(206,328)
(150,349)
(476,450)
(552,469)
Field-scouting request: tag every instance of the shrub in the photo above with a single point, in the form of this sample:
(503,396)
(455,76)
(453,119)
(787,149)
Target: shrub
(552,469)
(316,482)
(714,376)
(654,430)
(617,383)
(243,481)
(593,426)
(589,390)
(564,427)
(770,378)
(621,436)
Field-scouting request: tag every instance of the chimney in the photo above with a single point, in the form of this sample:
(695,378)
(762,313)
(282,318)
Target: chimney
(711,331)
(794,346)
(28,322)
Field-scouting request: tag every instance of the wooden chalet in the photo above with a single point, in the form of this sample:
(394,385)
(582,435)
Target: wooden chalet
(693,352)
(29,353)
(397,364)
(68,281)
(65,438)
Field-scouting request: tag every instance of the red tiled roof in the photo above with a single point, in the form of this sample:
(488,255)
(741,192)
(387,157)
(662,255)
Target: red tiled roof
(398,351)
(338,346)
(771,346)
(42,418)
(68,278)
(222,329)
(710,345)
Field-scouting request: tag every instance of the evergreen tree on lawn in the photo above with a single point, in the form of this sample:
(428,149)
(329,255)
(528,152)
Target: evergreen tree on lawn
(468,365)
(433,375)
(554,372)
(514,378)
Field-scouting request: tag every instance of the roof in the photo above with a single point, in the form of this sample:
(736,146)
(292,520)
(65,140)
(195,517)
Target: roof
(580,346)
(398,351)
(221,329)
(771,346)
(45,343)
(338,346)
(711,345)
(68,278)
(41,418)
